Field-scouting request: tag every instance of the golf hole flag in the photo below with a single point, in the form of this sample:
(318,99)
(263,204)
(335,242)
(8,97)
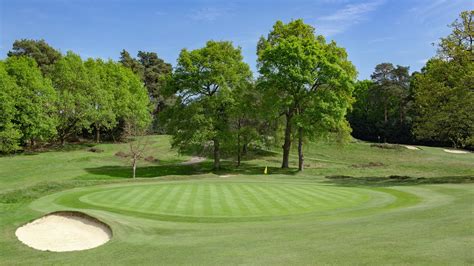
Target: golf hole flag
(265,171)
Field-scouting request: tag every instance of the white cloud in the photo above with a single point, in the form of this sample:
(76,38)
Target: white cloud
(382,39)
(349,15)
(209,13)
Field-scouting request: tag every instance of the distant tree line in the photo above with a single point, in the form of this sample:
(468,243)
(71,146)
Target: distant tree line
(211,103)
(49,97)
(434,106)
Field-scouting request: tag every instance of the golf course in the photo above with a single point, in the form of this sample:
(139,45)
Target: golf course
(387,206)
(237,132)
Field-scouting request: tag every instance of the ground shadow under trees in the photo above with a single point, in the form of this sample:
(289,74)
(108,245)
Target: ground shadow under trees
(227,168)
(396,180)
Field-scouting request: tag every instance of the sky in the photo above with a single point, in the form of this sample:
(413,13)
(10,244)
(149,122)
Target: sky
(372,31)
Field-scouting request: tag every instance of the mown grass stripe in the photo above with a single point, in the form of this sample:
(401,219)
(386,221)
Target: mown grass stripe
(190,208)
(234,205)
(285,197)
(137,200)
(128,194)
(168,198)
(176,197)
(277,207)
(183,200)
(247,199)
(160,201)
(147,206)
(277,198)
(207,201)
(253,198)
(242,207)
(223,200)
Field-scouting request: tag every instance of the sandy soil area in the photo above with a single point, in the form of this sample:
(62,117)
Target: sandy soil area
(194,160)
(64,231)
(411,147)
(456,151)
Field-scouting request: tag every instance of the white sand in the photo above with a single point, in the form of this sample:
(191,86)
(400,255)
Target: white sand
(456,151)
(411,147)
(64,232)
(194,160)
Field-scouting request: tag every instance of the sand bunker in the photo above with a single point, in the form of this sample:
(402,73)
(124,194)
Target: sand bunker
(194,160)
(411,147)
(456,151)
(64,231)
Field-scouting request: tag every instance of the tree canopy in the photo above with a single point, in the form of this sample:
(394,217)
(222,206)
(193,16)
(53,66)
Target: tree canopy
(44,55)
(308,80)
(203,81)
(444,93)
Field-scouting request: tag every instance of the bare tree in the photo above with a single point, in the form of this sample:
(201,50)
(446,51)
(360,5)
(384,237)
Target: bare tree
(138,143)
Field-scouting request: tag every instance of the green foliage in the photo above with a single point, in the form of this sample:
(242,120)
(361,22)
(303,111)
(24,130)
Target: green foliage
(154,72)
(44,55)
(306,79)
(384,106)
(445,103)
(70,78)
(444,93)
(204,80)
(9,133)
(34,100)
(97,94)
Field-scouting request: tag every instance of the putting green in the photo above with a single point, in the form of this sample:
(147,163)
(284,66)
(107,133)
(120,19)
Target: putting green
(238,200)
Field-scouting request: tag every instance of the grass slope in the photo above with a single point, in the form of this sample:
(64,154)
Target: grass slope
(177,214)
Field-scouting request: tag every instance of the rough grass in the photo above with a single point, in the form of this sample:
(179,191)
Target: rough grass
(397,206)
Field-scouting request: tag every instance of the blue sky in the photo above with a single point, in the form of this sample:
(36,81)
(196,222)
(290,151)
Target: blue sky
(372,31)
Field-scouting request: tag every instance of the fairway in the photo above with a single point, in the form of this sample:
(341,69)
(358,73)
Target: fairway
(185,214)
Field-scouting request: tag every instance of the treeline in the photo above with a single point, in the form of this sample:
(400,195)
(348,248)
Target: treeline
(211,103)
(434,106)
(49,97)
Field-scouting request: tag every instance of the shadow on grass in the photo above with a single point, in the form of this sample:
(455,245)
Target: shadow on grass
(395,180)
(227,168)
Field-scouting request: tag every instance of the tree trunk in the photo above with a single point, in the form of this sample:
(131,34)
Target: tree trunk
(239,150)
(134,167)
(217,155)
(244,149)
(97,133)
(287,144)
(385,120)
(300,149)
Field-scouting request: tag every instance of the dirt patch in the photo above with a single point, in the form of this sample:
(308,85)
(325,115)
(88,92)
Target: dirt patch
(386,146)
(97,150)
(194,160)
(64,231)
(456,151)
(151,159)
(368,165)
(411,147)
(121,154)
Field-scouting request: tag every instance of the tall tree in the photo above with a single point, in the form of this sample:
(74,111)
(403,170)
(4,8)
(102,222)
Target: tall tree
(155,73)
(102,115)
(44,55)
(203,81)
(132,63)
(311,82)
(391,94)
(245,117)
(35,100)
(70,78)
(10,135)
(444,93)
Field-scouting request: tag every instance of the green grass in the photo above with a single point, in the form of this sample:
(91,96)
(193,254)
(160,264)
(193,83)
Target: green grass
(378,206)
